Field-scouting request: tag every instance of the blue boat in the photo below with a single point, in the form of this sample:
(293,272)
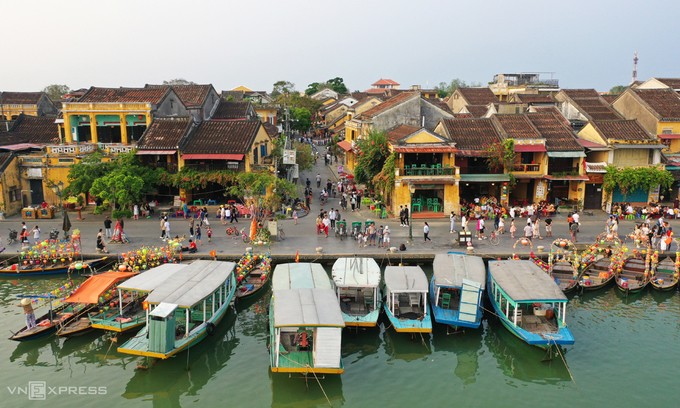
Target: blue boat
(529,303)
(357,285)
(456,290)
(406,301)
(186,308)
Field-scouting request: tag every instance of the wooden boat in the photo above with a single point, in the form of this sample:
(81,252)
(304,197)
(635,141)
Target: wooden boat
(357,286)
(665,275)
(529,303)
(456,290)
(19,270)
(184,309)
(596,275)
(256,278)
(130,313)
(633,277)
(92,294)
(565,276)
(305,321)
(406,305)
(47,323)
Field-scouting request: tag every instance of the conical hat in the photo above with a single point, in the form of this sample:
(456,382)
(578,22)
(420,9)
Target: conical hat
(25,302)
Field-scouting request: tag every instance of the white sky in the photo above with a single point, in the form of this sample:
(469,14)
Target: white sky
(82,43)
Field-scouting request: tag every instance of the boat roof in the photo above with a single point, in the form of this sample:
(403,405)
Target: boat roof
(196,282)
(356,272)
(90,290)
(524,281)
(405,279)
(307,307)
(300,275)
(149,280)
(451,269)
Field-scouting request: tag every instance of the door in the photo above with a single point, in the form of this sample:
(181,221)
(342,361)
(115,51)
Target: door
(593,199)
(469,301)
(37,196)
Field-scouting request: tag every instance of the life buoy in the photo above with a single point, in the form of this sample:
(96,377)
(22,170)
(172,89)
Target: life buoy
(210,328)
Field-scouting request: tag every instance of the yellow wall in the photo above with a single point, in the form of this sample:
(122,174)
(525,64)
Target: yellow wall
(93,109)
(265,113)
(10,178)
(422,137)
(335,113)
(16,110)
(242,88)
(591,134)
(598,156)
(261,138)
(631,157)
(674,128)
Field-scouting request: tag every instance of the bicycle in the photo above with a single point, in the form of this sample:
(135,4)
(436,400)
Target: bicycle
(494,239)
(231,231)
(244,236)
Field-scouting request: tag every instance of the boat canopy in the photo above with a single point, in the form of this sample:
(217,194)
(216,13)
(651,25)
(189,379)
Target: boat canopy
(300,275)
(307,307)
(149,280)
(196,282)
(451,269)
(524,281)
(405,279)
(356,272)
(90,290)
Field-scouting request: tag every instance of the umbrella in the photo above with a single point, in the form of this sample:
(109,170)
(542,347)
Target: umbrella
(66,226)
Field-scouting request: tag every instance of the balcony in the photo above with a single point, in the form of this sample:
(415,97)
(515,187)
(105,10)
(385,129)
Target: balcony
(71,149)
(426,170)
(527,168)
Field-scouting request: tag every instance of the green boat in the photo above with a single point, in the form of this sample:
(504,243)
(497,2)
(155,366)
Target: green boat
(132,293)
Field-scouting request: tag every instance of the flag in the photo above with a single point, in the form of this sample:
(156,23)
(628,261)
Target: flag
(297,256)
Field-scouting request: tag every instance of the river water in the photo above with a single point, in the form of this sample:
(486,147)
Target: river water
(627,353)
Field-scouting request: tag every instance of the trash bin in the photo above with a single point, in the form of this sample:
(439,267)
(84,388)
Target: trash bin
(464,237)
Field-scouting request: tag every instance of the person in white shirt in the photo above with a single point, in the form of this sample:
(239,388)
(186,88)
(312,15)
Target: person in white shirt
(452,218)
(512,213)
(463,222)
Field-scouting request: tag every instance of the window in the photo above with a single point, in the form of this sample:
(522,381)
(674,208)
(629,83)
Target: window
(667,131)
(232,165)
(527,158)
(172,104)
(14,194)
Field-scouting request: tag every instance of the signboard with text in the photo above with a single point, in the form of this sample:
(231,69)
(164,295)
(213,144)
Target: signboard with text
(289,156)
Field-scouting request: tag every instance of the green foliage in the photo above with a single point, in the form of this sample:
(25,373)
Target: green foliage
(303,155)
(117,214)
(501,155)
(445,89)
(191,179)
(119,186)
(178,81)
(372,153)
(337,84)
(384,181)
(301,119)
(630,179)
(283,88)
(254,185)
(56,91)
(618,89)
(312,88)
(82,175)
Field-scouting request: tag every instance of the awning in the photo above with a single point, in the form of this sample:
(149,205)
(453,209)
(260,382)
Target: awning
(566,154)
(345,145)
(567,178)
(20,146)
(528,148)
(90,290)
(159,152)
(484,178)
(591,145)
(668,136)
(639,146)
(596,167)
(215,156)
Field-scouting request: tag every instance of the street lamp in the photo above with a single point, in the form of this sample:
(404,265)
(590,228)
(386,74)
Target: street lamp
(411,190)
(58,188)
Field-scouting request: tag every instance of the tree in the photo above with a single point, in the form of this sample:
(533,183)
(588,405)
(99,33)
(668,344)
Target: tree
(301,119)
(501,155)
(56,91)
(120,187)
(618,89)
(284,88)
(372,152)
(312,88)
(178,81)
(303,156)
(263,187)
(338,85)
(82,175)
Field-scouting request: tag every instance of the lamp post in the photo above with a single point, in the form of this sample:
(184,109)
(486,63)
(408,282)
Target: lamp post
(411,190)
(58,188)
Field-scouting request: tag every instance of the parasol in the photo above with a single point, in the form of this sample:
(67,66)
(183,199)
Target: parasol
(66,226)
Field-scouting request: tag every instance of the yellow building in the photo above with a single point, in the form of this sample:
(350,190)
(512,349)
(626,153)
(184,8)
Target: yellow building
(13,104)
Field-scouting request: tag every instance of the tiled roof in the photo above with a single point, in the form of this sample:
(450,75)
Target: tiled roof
(231,110)
(478,96)
(609,98)
(471,134)
(399,132)
(440,104)
(165,133)
(477,110)
(223,137)
(271,130)
(31,129)
(388,104)
(20,98)
(534,98)
(629,130)
(358,95)
(382,81)
(673,83)
(192,95)
(665,102)
(5,159)
(152,95)
(463,115)
(558,136)
(516,127)
(581,93)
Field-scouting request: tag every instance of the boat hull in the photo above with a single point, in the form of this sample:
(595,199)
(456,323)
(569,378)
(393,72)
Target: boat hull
(368,320)
(410,325)
(61,269)
(665,287)
(450,317)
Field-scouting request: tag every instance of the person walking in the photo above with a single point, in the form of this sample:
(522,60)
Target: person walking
(573,229)
(452,220)
(166,225)
(463,223)
(107,227)
(36,235)
(198,235)
(401,216)
(371,231)
(386,236)
(353,202)
(528,231)
(426,232)
(548,227)
(234,215)
(537,229)
(513,228)
(406,217)
(101,247)
(192,220)
(380,236)
(318,180)
(163,228)
(295,216)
